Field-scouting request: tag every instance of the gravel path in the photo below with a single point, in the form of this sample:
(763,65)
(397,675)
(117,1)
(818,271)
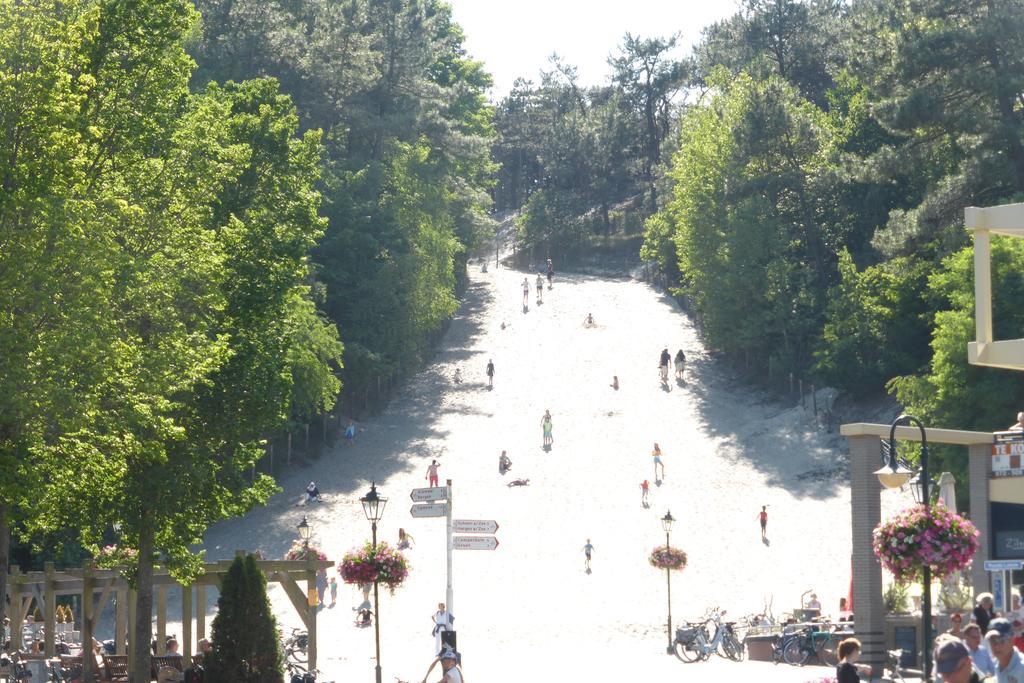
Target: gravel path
(528,608)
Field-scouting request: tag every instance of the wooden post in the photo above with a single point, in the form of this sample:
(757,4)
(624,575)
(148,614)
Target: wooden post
(161,619)
(311,589)
(186,623)
(132,616)
(88,660)
(49,609)
(18,616)
(120,620)
(200,611)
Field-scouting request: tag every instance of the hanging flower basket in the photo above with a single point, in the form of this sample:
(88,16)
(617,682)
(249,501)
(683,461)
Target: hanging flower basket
(110,556)
(921,536)
(667,557)
(300,551)
(385,565)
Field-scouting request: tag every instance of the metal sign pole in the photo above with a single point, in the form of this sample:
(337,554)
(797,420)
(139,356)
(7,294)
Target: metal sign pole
(448,539)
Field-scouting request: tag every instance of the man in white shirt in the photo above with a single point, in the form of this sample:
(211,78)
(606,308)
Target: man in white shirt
(1009,666)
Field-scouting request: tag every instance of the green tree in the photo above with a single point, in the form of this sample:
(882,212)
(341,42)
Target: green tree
(244,634)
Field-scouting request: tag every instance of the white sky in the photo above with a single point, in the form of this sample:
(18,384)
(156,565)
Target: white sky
(516,37)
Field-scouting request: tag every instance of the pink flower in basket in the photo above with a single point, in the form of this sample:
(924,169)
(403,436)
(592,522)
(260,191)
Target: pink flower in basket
(666,557)
(300,551)
(918,537)
(366,565)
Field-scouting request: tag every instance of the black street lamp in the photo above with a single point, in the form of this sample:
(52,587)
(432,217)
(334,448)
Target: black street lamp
(305,531)
(666,524)
(373,507)
(893,475)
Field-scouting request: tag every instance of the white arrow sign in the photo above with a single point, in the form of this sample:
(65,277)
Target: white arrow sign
(429,510)
(425,495)
(474,542)
(474,526)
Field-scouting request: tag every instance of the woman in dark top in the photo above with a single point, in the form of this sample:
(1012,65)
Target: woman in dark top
(983,613)
(849,651)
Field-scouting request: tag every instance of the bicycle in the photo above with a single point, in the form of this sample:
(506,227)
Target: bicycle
(297,673)
(894,664)
(694,643)
(811,641)
(295,646)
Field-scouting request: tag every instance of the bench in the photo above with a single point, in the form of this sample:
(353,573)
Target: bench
(161,662)
(116,667)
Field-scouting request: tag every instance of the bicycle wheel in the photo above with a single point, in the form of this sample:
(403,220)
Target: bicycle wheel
(827,650)
(687,652)
(296,655)
(731,649)
(795,653)
(736,652)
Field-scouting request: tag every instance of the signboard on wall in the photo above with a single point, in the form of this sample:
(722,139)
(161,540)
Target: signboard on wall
(1009,543)
(1007,520)
(1006,459)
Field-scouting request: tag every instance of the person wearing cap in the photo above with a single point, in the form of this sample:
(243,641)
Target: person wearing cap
(953,661)
(979,655)
(1009,666)
(449,660)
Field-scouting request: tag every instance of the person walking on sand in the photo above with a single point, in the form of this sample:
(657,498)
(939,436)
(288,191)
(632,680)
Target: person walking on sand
(663,360)
(588,550)
(547,426)
(763,518)
(350,432)
(680,362)
(540,289)
(490,374)
(443,621)
(526,292)
(404,539)
(645,488)
(656,454)
(551,274)
(334,591)
(432,473)
(615,382)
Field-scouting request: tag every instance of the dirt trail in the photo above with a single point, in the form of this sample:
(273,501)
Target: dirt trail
(529,606)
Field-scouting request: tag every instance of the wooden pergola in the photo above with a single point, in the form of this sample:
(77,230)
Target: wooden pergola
(95,586)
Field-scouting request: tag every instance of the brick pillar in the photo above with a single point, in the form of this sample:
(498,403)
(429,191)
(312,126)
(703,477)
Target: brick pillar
(868,610)
(979,466)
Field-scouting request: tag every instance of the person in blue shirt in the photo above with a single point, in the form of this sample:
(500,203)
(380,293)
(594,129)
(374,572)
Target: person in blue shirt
(979,655)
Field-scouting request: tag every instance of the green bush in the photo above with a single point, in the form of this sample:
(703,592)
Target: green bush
(245,637)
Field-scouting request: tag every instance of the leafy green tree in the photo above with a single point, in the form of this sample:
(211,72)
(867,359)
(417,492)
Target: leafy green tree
(244,634)
(876,324)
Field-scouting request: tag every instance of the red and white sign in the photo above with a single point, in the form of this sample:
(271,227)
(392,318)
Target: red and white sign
(474,543)
(1006,459)
(474,526)
(429,510)
(429,494)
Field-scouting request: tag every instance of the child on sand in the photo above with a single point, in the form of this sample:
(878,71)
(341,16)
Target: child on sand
(645,488)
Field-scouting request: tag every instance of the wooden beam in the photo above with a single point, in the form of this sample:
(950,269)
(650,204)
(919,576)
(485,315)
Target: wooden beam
(161,620)
(49,610)
(200,612)
(120,619)
(904,433)
(186,622)
(300,601)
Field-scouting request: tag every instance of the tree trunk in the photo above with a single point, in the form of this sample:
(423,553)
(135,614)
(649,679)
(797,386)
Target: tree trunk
(143,607)
(5,556)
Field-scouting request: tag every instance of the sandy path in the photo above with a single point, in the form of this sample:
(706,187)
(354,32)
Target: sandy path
(529,605)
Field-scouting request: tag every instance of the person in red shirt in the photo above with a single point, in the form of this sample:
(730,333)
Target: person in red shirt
(645,488)
(763,517)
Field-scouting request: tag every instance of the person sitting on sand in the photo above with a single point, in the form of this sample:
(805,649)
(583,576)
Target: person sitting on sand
(615,382)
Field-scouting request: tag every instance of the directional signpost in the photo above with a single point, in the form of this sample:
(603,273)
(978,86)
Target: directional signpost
(436,501)
(474,526)
(429,510)
(429,494)
(474,542)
